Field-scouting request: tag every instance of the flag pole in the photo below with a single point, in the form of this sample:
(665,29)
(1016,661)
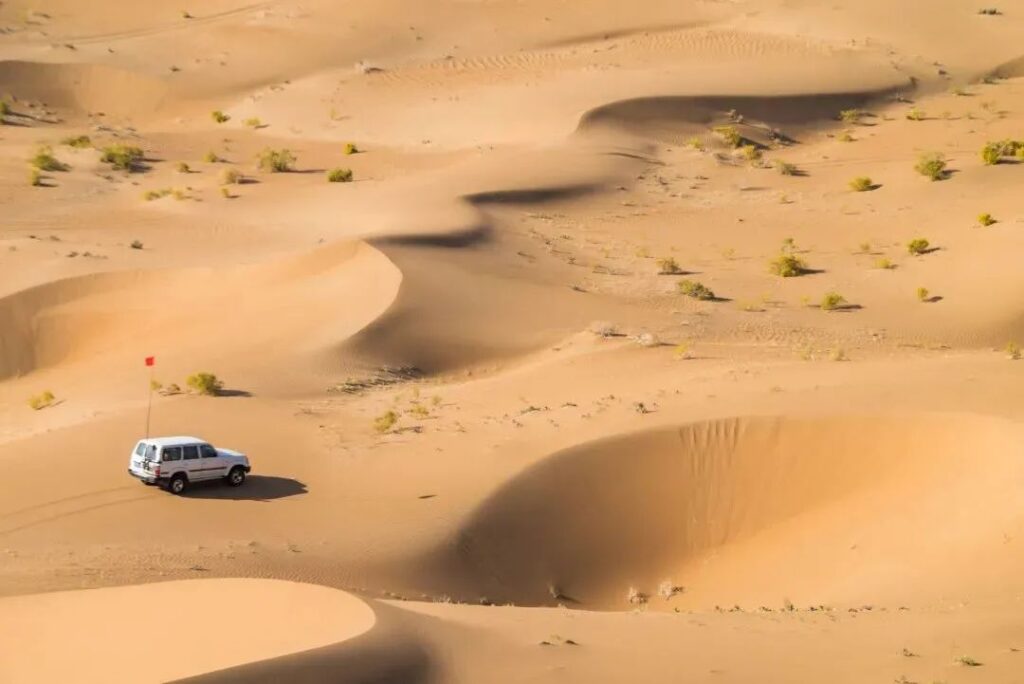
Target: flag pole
(149,403)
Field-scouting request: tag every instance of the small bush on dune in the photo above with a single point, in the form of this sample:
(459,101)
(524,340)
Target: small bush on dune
(918,246)
(861,184)
(205,383)
(751,152)
(78,141)
(932,165)
(230,177)
(994,151)
(384,422)
(219,116)
(991,153)
(915,114)
(832,301)
(885,264)
(211,158)
(44,160)
(851,116)
(41,401)
(253,122)
(339,176)
(226,194)
(350,148)
(922,294)
(5,108)
(122,157)
(668,266)
(691,288)
(35,179)
(276,161)
(729,135)
(787,266)
(986,220)
(1012,350)
(785,168)
(151,195)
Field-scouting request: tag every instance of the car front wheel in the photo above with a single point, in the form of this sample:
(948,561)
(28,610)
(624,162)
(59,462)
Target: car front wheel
(177,484)
(236,477)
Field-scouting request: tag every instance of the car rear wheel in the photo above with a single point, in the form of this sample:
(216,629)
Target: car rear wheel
(177,484)
(236,477)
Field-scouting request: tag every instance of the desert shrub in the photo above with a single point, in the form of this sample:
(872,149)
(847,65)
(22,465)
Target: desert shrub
(226,194)
(1012,350)
(751,152)
(604,329)
(922,294)
(211,158)
(230,177)
(35,178)
(123,157)
(785,168)
(636,597)
(729,135)
(155,385)
(915,114)
(861,184)
(350,148)
(276,161)
(918,246)
(851,116)
(385,421)
(682,352)
(339,176)
(991,153)
(219,116)
(691,288)
(151,195)
(838,354)
(846,136)
(968,661)
(695,142)
(136,244)
(986,219)
(77,141)
(41,401)
(44,160)
(932,165)
(832,301)
(182,167)
(668,266)
(5,108)
(253,122)
(885,264)
(179,194)
(787,266)
(205,383)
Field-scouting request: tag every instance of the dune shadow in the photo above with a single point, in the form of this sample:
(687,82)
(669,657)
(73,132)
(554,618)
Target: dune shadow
(256,488)
(233,393)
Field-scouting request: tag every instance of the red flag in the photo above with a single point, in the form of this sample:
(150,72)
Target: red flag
(150,360)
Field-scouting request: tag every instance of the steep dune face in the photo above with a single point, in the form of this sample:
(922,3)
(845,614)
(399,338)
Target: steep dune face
(589,523)
(84,87)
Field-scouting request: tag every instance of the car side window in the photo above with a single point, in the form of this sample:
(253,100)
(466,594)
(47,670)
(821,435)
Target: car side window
(171,454)
(191,452)
(140,449)
(151,452)
(208,451)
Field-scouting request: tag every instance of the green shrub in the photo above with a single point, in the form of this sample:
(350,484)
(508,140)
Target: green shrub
(339,176)
(151,195)
(276,161)
(751,152)
(991,153)
(918,246)
(932,165)
(915,114)
(861,184)
(253,122)
(123,157)
(885,264)
(226,194)
(5,108)
(668,266)
(205,383)
(785,168)
(211,157)
(692,288)
(846,136)
(922,294)
(78,141)
(384,422)
(45,161)
(1012,350)
(787,266)
(832,301)
(695,142)
(350,148)
(729,135)
(219,116)
(230,176)
(986,219)
(35,178)
(41,401)
(851,117)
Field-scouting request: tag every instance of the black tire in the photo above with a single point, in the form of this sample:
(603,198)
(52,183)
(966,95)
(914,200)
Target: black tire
(178,484)
(236,477)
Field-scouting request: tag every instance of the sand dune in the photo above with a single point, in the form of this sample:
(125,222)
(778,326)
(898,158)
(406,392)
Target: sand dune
(84,87)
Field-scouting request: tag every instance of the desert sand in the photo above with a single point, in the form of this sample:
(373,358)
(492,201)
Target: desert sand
(524,397)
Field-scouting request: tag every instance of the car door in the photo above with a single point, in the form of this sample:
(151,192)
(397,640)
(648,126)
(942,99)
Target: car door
(170,461)
(193,464)
(212,462)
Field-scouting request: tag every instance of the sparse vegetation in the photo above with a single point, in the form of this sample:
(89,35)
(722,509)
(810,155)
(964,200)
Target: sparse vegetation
(832,301)
(636,597)
(751,152)
(35,178)
(350,148)
(968,661)
(205,383)
(994,151)
(41,401)
(219,116)
(729,135)
(136,244)
(339,176)
(885,264)
(669,266)
(787,266)
(182,167)
(1012,350)
(211,157)
(918,246)
(851,117)
(861,184)
(44,160)
(604,329)
(667,589)
(915,114)
(922,294)
(695,142)
(682,352)
(986,220)
(691,288)
(932,165)
(785,168)
(77,141)
(838,354)
(151,195)
(253,122)
(230,176)
(846,136)
(276,161)
(155,385)
(122,157)
(384,422)
(226,194)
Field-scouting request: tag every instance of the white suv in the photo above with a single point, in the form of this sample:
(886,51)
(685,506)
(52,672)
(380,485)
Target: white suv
(175,462)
